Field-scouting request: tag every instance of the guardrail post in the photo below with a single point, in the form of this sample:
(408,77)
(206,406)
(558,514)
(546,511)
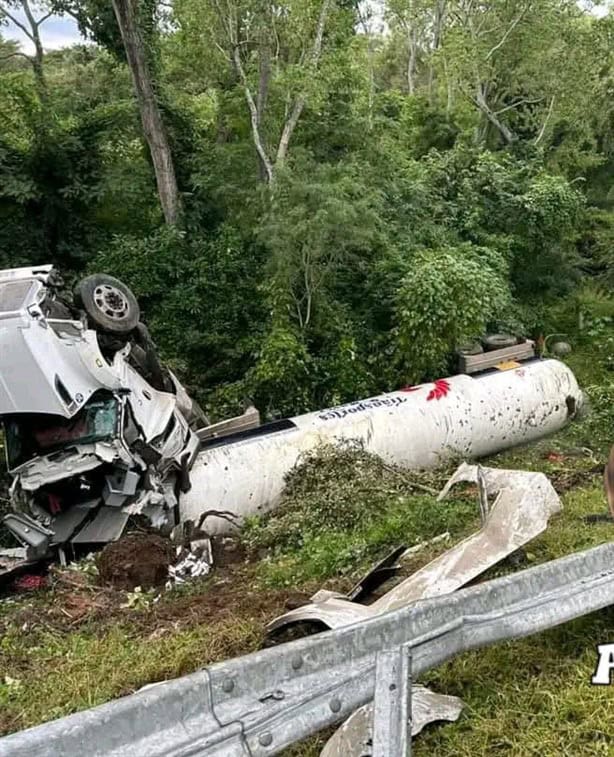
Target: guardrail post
(392,703)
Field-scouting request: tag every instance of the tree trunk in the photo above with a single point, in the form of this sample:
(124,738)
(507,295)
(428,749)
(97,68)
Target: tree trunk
(265,163)
(438,27)
(126,13)
(480,100)
(39,53)
(411,61)
(261,100)
(299,102)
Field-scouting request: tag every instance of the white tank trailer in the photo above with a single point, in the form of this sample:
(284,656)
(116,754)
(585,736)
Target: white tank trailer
(461,417)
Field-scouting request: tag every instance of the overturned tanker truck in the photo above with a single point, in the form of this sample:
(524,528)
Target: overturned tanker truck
(98,431)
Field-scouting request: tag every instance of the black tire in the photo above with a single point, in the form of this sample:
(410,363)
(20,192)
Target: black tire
(470,348)
(110,305)
(498,341)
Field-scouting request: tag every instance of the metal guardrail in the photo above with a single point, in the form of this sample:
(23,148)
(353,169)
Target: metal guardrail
(261,703)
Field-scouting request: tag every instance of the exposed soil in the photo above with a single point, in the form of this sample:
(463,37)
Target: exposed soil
(227,551)
(230,593)
(565,480)
(135,560)
(75,599)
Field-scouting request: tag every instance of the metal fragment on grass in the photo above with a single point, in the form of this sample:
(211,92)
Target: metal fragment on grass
(523,504)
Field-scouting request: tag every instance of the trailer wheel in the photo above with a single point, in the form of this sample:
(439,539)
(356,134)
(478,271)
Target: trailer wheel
(470,348)
(109,303)
(498,341)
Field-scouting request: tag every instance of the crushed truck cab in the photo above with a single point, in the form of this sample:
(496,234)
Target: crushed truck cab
(96,429)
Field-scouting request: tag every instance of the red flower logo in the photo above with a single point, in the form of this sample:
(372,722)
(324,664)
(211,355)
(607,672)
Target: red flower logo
(439,390)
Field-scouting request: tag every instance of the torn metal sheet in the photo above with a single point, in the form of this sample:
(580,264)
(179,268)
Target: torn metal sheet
(88,410)
(524,502)
(193,562)
(107,526)
(379,574)
(33,474)
(426,707)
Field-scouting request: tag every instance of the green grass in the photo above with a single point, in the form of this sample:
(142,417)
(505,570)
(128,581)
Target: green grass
(47,673)
(522,698)
(531,696)
(534,695)
(349,553)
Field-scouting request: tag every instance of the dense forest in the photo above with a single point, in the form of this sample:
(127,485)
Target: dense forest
(316,200)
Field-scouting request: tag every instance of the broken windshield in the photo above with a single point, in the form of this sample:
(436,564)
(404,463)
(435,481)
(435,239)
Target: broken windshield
(29,436)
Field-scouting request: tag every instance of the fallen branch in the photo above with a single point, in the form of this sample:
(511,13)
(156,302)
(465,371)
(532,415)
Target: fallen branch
(409,481)
(224,514)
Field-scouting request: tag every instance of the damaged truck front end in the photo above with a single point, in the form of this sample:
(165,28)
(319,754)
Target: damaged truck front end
(96,430)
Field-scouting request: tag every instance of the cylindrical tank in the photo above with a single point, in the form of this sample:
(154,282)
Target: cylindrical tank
(461,417)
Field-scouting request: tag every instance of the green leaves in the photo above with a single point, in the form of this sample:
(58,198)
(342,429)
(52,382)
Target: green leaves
(448,296)
(395,227)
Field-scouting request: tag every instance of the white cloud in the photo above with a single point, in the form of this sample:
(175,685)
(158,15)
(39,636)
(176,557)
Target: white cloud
(56,32)
(598,8)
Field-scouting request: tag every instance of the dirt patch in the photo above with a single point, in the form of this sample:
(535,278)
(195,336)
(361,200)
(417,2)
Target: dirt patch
(227,551)
(231,592)
(135,560)
(565,480)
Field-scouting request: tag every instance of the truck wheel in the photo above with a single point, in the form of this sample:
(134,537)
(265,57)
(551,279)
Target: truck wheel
(498,341)
(470,348)
(109,303)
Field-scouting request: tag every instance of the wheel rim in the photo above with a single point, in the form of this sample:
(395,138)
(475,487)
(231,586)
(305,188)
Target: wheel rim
(111,301)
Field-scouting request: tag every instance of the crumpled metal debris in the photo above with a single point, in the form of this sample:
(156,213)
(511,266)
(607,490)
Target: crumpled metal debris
(523,505)
(426,707)
(13,562)
(194,562)
(524,502)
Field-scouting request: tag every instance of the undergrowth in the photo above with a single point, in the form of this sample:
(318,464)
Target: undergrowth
(342,508)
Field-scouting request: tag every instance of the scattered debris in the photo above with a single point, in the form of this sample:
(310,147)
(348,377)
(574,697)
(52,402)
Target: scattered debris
(192,562)
(426,707)
(97,428)
(29,582)
(384,570)
(524,503)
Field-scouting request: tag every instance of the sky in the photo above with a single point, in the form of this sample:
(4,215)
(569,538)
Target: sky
(55,33)
(59,32)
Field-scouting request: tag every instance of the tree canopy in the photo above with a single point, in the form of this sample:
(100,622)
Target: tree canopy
(316,200)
